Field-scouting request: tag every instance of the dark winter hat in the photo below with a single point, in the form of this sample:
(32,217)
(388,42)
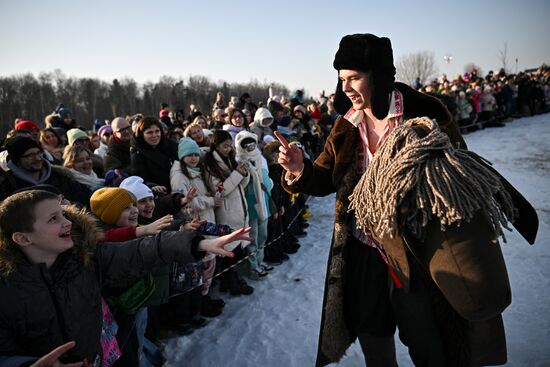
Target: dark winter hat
(64,112)
(18,145)
(372,54)
(274,107)
(98,124)
(285,121)
(45,187)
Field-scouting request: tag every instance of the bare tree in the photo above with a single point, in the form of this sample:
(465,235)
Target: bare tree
(30,97)
(503,57)
(418,65)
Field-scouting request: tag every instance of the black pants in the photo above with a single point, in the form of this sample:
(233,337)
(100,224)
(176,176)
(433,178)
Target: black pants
(372,310)
(415,317)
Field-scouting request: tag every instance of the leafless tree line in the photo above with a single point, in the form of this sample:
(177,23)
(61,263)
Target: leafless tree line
(29,97)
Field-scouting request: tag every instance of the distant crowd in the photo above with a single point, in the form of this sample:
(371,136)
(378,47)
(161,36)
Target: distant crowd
(490,101)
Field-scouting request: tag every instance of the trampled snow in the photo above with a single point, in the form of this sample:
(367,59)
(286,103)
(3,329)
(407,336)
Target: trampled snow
(278,325)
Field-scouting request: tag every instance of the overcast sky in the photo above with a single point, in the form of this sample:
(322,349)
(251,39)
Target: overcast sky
(290,42)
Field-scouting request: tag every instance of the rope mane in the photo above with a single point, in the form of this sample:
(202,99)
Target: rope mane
(417,174)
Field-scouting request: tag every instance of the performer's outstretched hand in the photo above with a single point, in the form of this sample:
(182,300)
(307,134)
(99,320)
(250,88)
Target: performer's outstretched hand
(215,245)
(291,158)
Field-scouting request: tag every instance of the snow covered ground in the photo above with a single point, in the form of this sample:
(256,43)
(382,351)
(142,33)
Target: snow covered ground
(278,325)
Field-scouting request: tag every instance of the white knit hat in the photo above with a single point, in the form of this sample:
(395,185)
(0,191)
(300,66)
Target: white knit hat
(135,185)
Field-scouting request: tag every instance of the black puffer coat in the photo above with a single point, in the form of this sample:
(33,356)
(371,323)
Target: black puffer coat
(42,308)
(153,164)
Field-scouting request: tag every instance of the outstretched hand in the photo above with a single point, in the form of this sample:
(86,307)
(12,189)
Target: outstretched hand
(291,158)
(194,224)
(52,359)
(216,245)
(155,227)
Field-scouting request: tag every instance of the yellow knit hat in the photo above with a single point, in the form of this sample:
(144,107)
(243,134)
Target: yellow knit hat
(109,202)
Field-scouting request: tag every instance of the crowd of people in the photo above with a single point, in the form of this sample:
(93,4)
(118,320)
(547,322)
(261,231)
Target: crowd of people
(477,102)
(133,180)
(153,183)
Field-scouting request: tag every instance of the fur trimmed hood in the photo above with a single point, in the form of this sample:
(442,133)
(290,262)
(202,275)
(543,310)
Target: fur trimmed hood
(85,231)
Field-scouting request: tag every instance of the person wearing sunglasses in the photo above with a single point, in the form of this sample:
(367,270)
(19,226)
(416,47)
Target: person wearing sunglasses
(257,198)
(237,123)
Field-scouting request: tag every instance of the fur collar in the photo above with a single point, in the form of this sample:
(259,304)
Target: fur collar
(85,231)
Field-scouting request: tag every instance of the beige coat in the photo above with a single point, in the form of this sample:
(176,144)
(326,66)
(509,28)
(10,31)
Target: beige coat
(204,202)
(234,211)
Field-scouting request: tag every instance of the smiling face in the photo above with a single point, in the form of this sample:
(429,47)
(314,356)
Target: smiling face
(191,160)
(50,138)
(356,86)
(146,206)
(122,129)
(152,135)
(128,217)
(32,160)
(83,163)
(201,121)
(237,118)
(94,142)
(197,134)
(51,233)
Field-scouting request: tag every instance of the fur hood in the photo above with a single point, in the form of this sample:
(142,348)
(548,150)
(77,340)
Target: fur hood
(261,114)
(85,231)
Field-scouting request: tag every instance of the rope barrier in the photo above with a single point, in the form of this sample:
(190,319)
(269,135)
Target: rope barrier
(300,212)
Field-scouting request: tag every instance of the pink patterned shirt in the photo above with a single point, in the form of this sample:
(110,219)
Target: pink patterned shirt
(365,154)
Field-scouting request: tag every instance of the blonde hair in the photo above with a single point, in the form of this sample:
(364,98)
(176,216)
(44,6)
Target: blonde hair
(71,152)
(193,125)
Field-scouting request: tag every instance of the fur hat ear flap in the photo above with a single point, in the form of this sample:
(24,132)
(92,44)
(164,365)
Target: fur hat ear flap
(380,95)
(342,103)
(383,79)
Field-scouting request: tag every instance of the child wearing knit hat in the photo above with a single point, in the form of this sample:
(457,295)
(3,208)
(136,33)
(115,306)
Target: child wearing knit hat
(117,209)
(47,242)
(148,213)
(186,176)
(146,203)
(188,146)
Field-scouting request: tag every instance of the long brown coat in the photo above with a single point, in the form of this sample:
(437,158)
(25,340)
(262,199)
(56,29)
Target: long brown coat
(334,171)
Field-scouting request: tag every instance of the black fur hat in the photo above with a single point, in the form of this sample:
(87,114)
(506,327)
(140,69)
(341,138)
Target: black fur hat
(372,54)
